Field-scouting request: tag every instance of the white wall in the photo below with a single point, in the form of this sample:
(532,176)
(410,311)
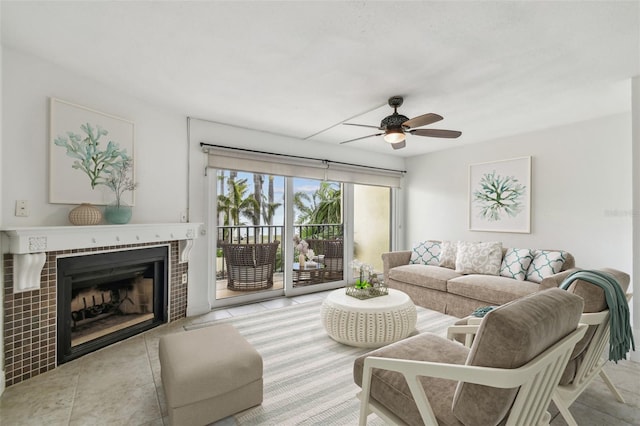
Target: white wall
(581,191)
(160,142)
(167,165)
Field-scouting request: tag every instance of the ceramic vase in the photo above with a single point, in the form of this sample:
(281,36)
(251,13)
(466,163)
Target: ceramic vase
(85,214)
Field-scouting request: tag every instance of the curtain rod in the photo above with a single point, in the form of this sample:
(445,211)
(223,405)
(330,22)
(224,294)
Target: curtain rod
(204,144)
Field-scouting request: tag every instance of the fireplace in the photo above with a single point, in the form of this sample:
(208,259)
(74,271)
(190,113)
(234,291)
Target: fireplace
(30,310)
(107,297)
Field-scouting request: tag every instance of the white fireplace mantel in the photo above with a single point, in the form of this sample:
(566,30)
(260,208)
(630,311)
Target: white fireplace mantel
(39,239)
(29,244)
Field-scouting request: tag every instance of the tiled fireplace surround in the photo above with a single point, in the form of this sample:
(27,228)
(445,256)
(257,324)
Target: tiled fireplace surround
(30,316)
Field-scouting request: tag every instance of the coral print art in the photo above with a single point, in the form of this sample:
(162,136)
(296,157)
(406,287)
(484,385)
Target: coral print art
(499,196)
(88,151)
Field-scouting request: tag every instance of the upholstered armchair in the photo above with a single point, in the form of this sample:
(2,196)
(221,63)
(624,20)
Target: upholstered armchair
(586,361)
(506,377)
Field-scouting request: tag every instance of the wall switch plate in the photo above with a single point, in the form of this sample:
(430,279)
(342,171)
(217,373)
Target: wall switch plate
(183,216)
(22,208)
(184,278)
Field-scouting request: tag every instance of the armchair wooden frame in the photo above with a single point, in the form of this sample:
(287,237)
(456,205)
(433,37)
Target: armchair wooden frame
(537,380)
(590,367)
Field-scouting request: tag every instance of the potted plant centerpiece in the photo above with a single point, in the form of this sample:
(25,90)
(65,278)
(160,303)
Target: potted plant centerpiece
(367,284)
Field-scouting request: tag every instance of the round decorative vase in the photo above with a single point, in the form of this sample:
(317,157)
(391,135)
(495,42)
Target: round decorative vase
(85,214)
(117,215)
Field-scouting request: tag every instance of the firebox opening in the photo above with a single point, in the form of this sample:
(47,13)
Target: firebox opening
(104,298)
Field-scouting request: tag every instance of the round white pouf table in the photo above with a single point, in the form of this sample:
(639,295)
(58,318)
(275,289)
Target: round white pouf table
(368,323)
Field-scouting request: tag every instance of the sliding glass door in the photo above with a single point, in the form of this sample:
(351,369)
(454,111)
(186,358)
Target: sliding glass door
(275,235)
(318,235)
(249,223)
(371,224)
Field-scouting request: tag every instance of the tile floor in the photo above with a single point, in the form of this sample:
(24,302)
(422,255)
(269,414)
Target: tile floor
(103,389)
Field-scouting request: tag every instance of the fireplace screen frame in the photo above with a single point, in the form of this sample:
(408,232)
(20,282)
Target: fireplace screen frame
(157,258)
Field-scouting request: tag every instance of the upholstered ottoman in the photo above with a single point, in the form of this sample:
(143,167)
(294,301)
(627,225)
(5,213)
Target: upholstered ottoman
(208,374)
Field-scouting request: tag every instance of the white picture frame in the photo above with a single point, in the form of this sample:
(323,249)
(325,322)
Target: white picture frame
(500,196)
(72,185)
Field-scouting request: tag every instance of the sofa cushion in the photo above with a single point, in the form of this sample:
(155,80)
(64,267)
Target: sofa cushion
(448,254)
(428,276)
(544,264)
(478,258)
(516,263)
(426,253)
(391,390)
(492,290)
(509,337)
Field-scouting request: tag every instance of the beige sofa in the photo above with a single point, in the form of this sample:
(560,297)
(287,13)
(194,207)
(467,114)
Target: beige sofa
(459,294)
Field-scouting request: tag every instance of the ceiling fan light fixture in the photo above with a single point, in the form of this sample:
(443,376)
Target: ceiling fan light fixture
(394,136)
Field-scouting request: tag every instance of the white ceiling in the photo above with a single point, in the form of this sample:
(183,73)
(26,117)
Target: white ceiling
(301,68)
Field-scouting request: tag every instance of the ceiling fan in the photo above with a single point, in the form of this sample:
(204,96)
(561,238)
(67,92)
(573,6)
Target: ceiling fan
(395,126)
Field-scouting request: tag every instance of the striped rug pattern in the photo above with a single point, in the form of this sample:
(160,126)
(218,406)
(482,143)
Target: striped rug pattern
(308,378)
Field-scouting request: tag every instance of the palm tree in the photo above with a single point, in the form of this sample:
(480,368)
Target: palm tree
(329,204)
(258,181)
(324,206)
(240,205)
(305,205)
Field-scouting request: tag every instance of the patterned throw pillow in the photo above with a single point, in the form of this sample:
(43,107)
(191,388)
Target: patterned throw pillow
(478,258)
(448,251)
(515,263)
(544,264)
(426,253)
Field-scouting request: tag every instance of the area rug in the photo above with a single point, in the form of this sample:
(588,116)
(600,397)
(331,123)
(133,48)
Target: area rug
(308,378)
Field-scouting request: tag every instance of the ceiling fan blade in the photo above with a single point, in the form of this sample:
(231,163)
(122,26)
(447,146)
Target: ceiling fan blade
(422,120)
(363,137)
(361,125)
(436,133)
(399,145)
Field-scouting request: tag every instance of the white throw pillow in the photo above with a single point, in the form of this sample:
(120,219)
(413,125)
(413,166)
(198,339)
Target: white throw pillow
(448,251)
(426,253)
(545,263)
(516,263)
(479,258)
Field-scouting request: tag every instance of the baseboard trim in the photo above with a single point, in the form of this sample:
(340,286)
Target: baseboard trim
(199,309)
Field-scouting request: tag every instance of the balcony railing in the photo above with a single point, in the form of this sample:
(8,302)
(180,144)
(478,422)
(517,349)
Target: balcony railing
(250,234)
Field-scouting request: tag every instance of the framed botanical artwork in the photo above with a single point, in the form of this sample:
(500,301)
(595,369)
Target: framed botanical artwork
(500,196)
(90,155)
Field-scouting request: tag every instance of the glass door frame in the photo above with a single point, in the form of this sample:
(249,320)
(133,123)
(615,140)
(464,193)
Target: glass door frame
(211,192)
(287,244)
(287,250)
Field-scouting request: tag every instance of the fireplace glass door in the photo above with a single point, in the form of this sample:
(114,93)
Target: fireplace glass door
(107,297)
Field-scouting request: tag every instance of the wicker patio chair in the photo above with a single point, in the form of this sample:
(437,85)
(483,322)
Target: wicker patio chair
(333,251)
(249,266)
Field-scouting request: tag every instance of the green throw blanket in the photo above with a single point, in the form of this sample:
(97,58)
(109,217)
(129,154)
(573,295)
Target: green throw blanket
(621,336)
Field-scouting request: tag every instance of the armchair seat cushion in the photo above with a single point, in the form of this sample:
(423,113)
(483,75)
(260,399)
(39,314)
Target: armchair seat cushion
(390,389)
